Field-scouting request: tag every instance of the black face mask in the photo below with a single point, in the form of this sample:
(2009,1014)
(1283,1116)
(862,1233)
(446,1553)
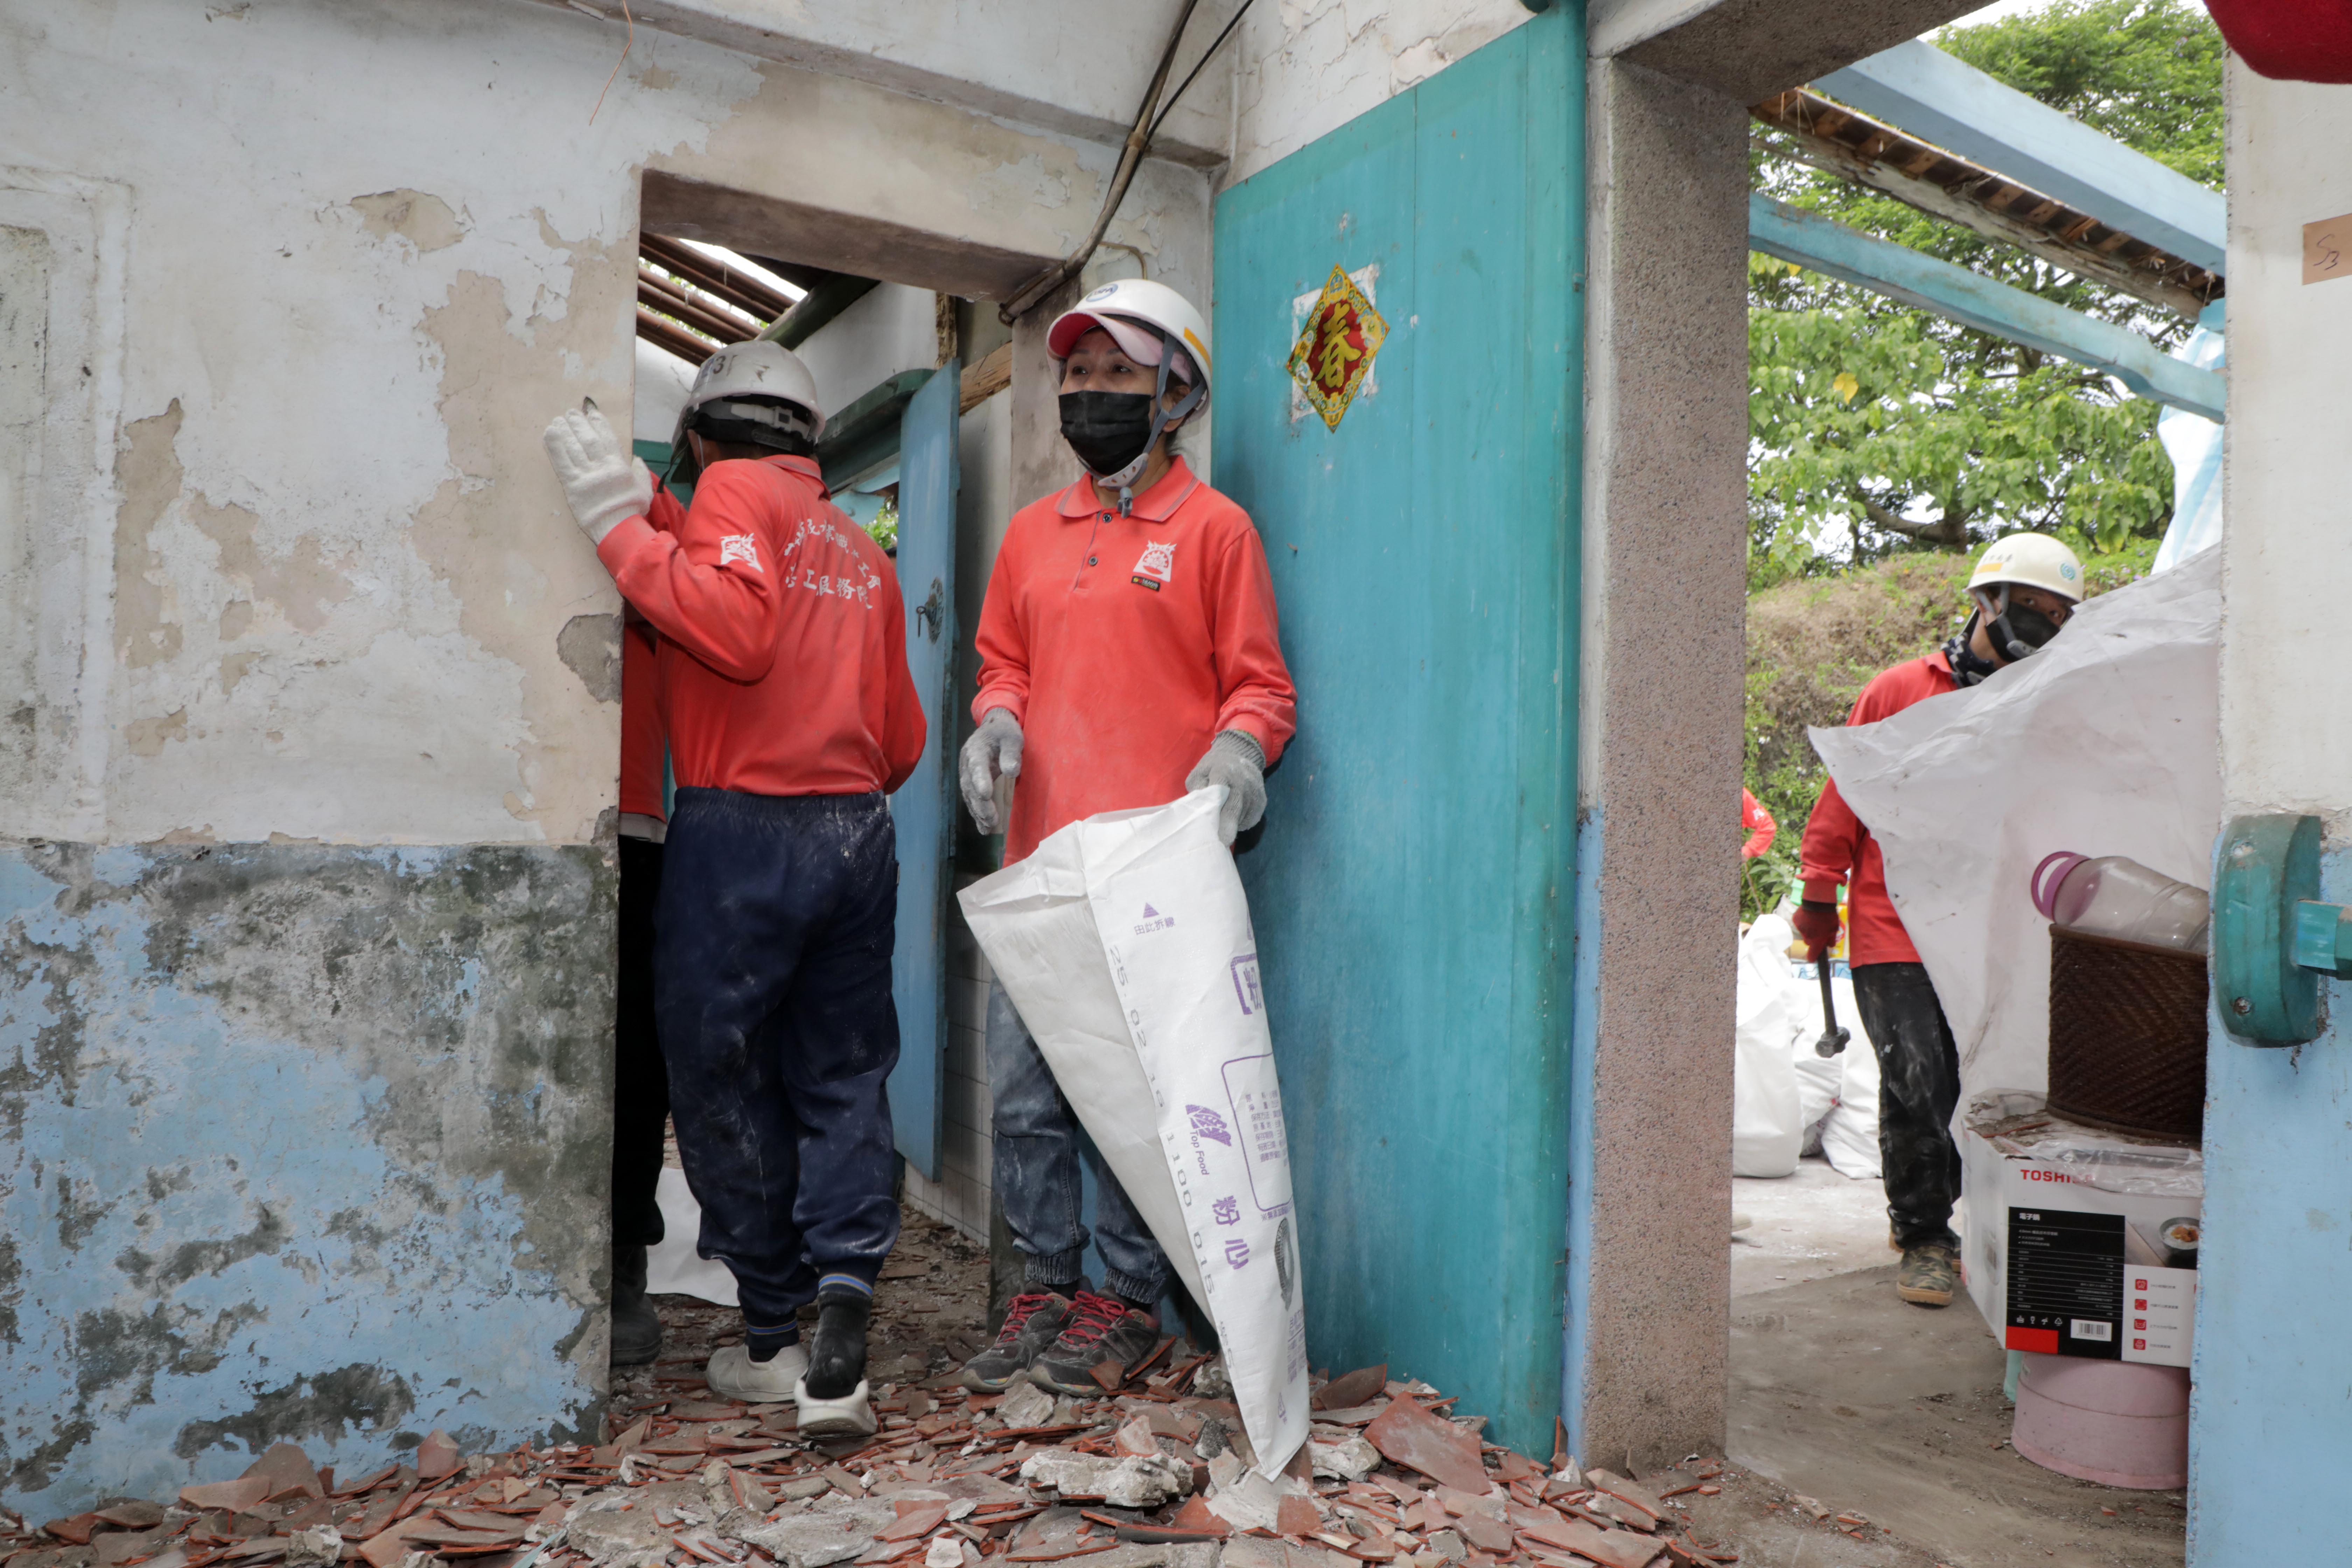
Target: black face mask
(1107,430)
(2021,630)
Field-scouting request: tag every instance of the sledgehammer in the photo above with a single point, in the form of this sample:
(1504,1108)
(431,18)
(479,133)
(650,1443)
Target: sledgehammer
(1832,1038)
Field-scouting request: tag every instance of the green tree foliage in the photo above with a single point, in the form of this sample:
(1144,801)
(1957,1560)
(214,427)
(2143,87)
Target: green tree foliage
(1885,441)
(1876,427)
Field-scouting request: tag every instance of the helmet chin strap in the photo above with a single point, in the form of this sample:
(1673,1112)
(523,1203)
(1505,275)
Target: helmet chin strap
(1161,415)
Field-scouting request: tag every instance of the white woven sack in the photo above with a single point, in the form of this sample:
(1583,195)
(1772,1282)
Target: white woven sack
(1125,942)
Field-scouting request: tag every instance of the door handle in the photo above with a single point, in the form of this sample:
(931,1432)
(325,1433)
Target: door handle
(932,611)
(2273,937)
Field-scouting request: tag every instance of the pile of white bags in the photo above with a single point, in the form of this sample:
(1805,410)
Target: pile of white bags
(1125,942)
(1788,1100)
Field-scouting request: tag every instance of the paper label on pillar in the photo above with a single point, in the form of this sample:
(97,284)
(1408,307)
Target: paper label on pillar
(2160,1311)
(2328,250)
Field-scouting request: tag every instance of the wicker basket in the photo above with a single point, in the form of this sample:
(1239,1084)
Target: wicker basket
(2127,1035)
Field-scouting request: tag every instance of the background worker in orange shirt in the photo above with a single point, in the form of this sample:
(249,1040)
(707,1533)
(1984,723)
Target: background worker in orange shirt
(1758,824)
(791,714)
(1128,656)
(2024,587)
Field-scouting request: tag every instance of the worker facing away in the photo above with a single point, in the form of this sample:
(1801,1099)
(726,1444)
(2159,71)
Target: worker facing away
(2023,588)
(792,714)
(1128,655)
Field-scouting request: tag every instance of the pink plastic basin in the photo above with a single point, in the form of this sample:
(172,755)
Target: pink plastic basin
(2117,1423)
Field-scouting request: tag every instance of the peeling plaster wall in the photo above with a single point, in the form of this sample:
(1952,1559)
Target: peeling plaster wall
(1309,67)
(306,797)
(278,1127)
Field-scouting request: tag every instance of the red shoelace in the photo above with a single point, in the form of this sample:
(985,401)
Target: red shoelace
(1017,1313)
(1091,1317)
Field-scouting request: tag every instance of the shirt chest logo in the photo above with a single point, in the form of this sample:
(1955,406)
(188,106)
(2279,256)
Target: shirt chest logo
(743,547)
(1156,567)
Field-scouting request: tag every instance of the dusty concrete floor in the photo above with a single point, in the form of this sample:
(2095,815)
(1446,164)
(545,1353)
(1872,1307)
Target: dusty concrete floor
(1843,1393)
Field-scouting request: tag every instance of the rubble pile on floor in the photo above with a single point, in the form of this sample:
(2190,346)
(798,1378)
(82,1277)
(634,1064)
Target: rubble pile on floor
(1156,1473)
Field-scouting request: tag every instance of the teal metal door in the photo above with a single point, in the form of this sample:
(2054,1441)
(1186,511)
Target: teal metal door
(923,809)
(1413,894)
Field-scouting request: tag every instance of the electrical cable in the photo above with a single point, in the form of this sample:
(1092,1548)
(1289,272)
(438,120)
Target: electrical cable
(1130,157)
(630,43)
(1215,44)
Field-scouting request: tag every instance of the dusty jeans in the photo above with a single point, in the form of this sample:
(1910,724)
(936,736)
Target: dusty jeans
(1036,1173)
(1918,1088)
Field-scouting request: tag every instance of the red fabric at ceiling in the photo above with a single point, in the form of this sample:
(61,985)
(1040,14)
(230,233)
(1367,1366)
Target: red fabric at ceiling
(2291,40)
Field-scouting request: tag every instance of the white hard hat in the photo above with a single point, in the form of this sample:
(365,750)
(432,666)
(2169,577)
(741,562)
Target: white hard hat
(1140,316)
(759,370)
(2033,560)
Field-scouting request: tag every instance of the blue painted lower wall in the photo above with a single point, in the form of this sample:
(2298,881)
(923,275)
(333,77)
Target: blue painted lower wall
(2270,1413)
(296,1141)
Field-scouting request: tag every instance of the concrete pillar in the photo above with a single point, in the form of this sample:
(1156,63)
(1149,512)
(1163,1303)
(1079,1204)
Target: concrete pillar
(1664,552)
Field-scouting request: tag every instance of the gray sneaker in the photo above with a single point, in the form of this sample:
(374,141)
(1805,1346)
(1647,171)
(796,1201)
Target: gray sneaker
(1032,1322)
(1926,1274)
(1100,1330)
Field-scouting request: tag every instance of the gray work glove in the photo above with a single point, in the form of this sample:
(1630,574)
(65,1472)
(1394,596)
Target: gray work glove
(1234,760)
(994,751)
(600,480)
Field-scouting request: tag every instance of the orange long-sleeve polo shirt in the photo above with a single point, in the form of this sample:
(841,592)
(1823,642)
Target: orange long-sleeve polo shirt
(783,667)
(1837,846)
(1123,645)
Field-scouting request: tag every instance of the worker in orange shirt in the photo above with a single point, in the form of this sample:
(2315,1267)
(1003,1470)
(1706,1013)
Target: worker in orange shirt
(1758,824)
(1128,654)
(2023,589)
(791,714)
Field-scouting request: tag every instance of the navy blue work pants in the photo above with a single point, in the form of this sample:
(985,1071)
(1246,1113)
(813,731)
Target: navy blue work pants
(771,981)
(640,1084)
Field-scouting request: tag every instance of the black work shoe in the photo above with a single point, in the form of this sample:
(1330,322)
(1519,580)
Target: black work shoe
(837,1353)
(1031,1321)
(1100,1330)
(1926,1274)
(831,1394)
(636,1327)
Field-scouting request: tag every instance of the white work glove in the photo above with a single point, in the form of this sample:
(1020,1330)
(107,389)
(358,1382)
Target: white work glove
(1234,760)
(600,480)
(993,750)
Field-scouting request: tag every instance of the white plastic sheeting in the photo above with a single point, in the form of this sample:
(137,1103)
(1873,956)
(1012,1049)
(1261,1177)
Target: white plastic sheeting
(672,1268)
(2194,444)
(2106,742)
(1788,1099)
(1767,1126)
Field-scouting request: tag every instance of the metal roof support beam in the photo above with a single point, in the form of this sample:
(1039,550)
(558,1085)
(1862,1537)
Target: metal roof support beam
(1957,294)
(1920,89)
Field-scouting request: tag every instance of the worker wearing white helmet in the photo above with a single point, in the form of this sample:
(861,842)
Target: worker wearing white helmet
(2023,589)
(792,714)
(1128,654)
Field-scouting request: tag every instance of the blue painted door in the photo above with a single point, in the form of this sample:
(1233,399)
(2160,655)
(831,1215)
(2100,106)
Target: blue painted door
(1413,894)
(924,808)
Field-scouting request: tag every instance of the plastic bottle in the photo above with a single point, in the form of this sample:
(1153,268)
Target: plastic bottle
(2115,896)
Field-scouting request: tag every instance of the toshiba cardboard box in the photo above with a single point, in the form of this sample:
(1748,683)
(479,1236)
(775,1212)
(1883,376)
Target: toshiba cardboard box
(2080,1242)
